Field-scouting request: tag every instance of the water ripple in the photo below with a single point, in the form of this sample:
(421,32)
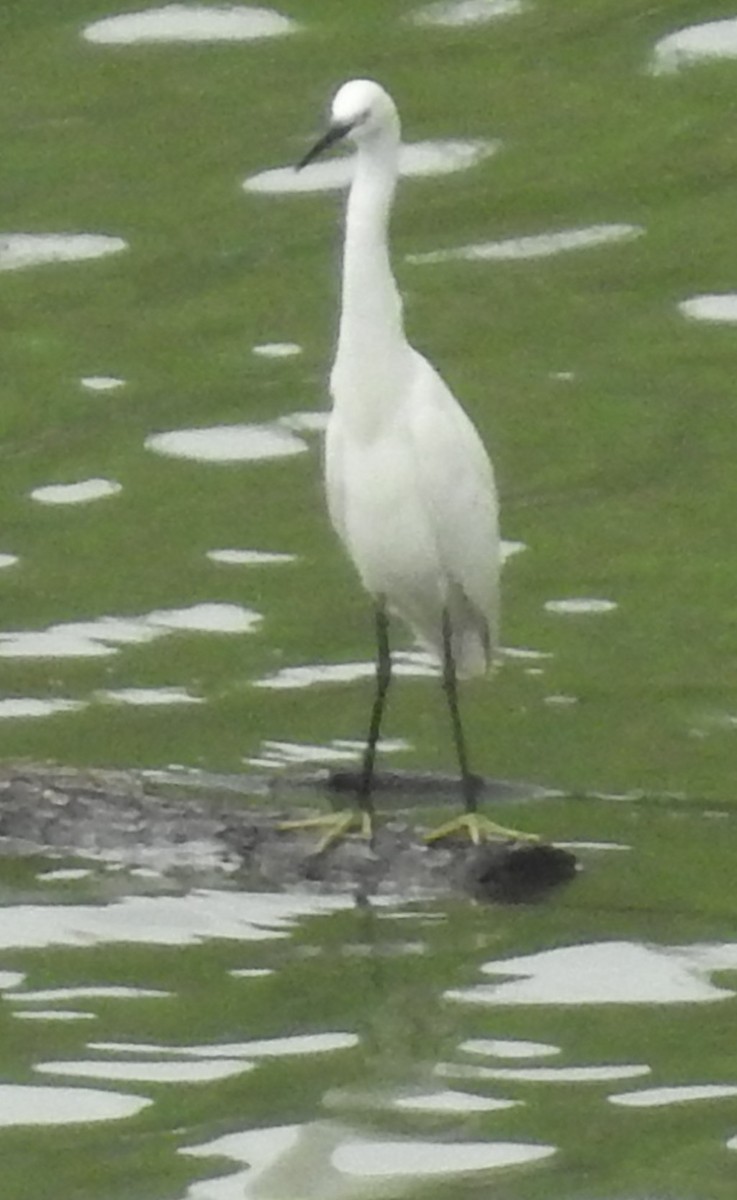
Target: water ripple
(542,245)
(415,158)
(103,636)
(721,308)
(158,920)
(465,12)
(281,1047)
(76,493)
(608,973)
(25,1105)
(596,1074)
(149,1072)
(20,250)
(660,1097)
(227,443)
(327,1148)
(508,1048)
(189,23)
(695,43)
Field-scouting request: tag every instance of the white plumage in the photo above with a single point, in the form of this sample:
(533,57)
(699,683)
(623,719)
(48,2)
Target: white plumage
(410,487)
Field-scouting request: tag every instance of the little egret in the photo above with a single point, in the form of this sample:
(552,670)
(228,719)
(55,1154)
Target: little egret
(410,487)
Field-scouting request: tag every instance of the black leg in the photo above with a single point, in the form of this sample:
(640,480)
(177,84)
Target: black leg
(450,687)
(383,679)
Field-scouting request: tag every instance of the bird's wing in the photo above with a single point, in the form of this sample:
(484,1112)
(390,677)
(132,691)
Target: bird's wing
(456,481)
(334,479)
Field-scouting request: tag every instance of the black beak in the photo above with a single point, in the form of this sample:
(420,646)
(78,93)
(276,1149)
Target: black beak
(332,135)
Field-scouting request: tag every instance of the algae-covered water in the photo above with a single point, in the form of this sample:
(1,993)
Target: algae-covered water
(171,593)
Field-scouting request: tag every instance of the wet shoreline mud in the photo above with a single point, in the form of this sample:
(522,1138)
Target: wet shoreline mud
(202,824)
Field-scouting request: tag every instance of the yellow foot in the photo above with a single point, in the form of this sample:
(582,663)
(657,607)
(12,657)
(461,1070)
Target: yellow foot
(336,826)
(478,829)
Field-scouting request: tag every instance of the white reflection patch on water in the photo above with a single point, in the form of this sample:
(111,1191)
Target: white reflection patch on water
(21,708)
(415,663)
(8,560)
(508,1048)
(250,972)
(465,12)
(595,846)
(523,653)
(90,992)
(732,1144)
(227,443)
(415,158)
(101,383)
(305,422)
(10,979)
(392,950)
(576,605)
(660,1097)
(449,1101)
(709,722)
(277,349)
(189,23)
(21,1104)
(542,245)
(64,874)
(102,637)
(227,1187)
(206,618)
(121,631)
(160,920)
(305,1043)
(403,1157)
(51,1014)
(608,973)
(720,308)
(598,1074)
(48,643)
(149,1072)
(260,1149)
(279,1156)
(695,43)
(82,492)
(148,697)
(249,558)
(19,250)
(283,754)
(509,549)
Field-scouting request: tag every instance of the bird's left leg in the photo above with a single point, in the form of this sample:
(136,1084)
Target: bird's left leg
(469,784)
(478,827)
(338,824)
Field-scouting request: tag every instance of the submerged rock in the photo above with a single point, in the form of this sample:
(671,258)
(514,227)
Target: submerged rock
(200,822)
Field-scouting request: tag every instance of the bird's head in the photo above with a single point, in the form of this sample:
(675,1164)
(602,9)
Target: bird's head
(362,111)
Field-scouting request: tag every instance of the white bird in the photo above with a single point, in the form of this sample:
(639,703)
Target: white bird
(410,487)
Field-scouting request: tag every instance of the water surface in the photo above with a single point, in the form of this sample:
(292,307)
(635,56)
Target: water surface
(167,336)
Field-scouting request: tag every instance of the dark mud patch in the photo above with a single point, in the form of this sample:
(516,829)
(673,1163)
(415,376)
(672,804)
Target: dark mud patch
(203,823)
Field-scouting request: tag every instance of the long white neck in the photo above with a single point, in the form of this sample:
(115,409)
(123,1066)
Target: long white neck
(371,316)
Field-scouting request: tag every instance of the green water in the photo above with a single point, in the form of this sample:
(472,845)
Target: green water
(384,981)
(619,479)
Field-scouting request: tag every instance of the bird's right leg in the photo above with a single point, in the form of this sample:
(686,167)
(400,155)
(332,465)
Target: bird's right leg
(337,825)
(383,679)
